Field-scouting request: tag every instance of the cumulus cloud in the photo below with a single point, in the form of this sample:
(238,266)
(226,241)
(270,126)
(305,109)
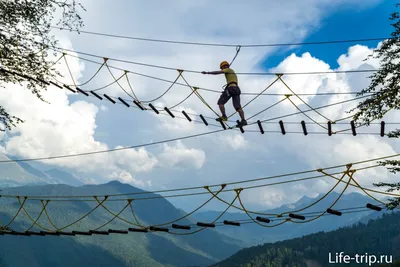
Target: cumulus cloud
(180,124)
(319,151)
(181,156)
(64,127)
(67,126)
(126,177)
(233,141)
(356,57)
(338,149)
(276,23)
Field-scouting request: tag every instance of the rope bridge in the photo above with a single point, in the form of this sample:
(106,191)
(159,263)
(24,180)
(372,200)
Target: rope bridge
(126,200)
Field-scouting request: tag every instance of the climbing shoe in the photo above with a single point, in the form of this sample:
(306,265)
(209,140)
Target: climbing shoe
(223,118)
(242,123)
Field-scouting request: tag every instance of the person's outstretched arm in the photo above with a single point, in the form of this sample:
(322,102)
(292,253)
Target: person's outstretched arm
(213,72)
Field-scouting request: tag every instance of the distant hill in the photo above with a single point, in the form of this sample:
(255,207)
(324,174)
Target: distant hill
(12,174)
(378,237)
(62,177)
(253,234)
(134,249)
(20,173)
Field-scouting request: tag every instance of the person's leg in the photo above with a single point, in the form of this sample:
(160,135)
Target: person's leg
(236,104)
(221,103)
(238,108)
(222,108)
(241,113)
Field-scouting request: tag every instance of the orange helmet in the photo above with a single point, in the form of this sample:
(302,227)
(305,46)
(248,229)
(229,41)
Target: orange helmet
(223,63)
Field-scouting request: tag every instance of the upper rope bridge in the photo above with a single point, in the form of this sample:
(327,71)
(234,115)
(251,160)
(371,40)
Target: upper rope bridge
(169,111)
(146,104)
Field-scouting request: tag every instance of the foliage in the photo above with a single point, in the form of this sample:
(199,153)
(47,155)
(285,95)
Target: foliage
(6,228)
(386,85)
(377,237)
(25,40)
(394,264)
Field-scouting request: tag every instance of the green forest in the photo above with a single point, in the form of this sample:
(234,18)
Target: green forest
(377,237)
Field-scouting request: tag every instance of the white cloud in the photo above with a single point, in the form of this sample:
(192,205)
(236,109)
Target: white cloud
(265,22)
(234,141)
(319,151)
(135,160)
(126,177)
(181,156)
(180,124)
(62,127)
(269,197)
(323,151)
(355,58)
(65,128)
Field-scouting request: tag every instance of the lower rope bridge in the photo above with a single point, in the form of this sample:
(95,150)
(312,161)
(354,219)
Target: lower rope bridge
(171,226)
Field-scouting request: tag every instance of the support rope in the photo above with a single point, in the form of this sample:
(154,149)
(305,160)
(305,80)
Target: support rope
(269,86)
(84,216)
(135,217)
(105,61)
(169,88)
(202,100)
(324,196)
(306,114)
(32,220)
(19,210)
(280,78)
(249,118)
(115,216)
(341,194)
(201,229)
(190,213)
(49,219)
(130,86)
(69,70)
(251,217)
(40,215)
(237,52)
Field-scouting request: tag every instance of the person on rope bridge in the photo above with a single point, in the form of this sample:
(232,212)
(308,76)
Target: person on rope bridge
(231,90)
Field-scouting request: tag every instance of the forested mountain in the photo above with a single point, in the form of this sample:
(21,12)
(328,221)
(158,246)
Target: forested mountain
(133,249)
(159,249)
(379,237)
(253,234)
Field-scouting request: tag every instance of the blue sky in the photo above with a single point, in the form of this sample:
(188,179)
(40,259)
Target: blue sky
(343,24)
(76,124)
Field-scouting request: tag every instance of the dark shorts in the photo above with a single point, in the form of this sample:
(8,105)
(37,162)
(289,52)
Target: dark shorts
(231,91)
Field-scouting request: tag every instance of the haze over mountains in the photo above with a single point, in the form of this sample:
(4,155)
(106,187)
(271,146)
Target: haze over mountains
(134,249)
(142,249)
(21,173)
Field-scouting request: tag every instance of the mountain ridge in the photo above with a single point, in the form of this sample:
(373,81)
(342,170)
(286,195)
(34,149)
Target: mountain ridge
(378,237)
(166,249)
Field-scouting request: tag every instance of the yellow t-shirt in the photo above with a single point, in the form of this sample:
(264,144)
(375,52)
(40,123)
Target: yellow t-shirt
(230,77)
